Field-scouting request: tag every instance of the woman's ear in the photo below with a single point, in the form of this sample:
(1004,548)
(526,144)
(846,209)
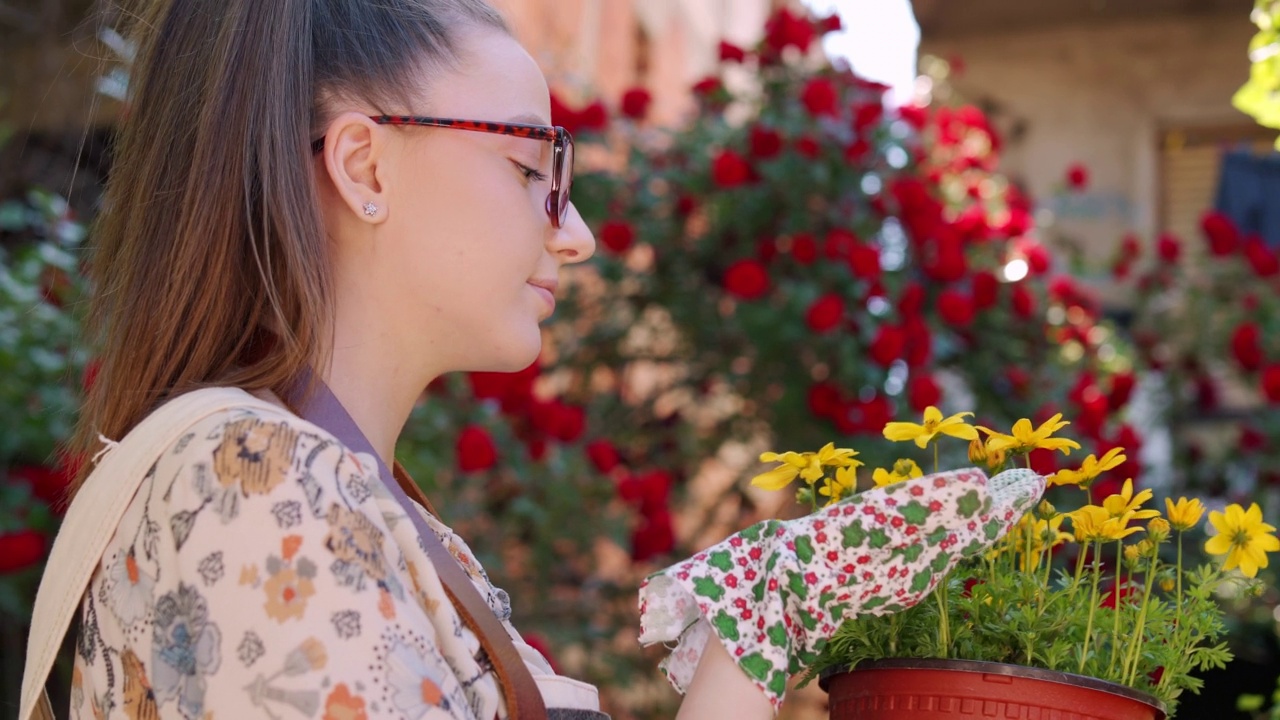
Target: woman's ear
(353,149)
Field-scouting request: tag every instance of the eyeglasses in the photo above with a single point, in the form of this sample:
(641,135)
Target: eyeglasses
(562,150)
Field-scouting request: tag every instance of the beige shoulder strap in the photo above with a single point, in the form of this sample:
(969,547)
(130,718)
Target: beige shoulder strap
(92,519)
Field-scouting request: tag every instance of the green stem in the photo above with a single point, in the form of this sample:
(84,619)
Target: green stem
(1135,646)
(944,621)
(1093,606)
(1115,599)
(1178,597)
(935,457)
(893,633)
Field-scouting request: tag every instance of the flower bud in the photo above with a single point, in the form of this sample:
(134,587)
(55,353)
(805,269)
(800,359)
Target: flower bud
(1046,511)
(1158,530)
(1166,584)
(1131,554)
(977,451)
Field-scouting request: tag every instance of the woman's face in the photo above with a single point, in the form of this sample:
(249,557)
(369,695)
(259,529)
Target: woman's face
(462,239)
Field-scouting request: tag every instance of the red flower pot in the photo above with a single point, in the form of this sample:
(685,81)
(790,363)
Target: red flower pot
(911,689)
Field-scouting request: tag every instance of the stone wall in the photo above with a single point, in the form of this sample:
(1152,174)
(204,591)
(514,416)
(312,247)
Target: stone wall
(1113,97)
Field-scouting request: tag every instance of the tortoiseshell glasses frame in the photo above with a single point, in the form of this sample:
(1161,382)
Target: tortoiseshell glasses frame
(562,150)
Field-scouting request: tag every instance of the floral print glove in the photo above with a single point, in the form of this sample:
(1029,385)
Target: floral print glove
(775,592)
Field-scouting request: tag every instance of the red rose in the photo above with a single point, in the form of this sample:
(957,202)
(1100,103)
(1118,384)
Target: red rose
(923,391)
(731,53)
(603,455)
(46,483)
(887,345)
(1251,440)
(944,258)
(1024,303)
(804,248)
(1221,232)
(911,302)
(831,23)
(765,142)
(839,243)
(825,313)
(562,114)
(1121,390)
(1037,257)
(561,421)
(985,289)
(729,169)
(786,29)
(617,236)
(475,449)
(647,491)
(919,341)
(868,416)
(914,115)
(767,250)
(866,117)
(864,261)
(1271,382)
(808,147)
(593,117)
(819,97)
(1264,261)
(747,279)
(1168,247)
(824,399)
(1077,176)
(1246,345)
(635,103)
(652,537)
(707,86)
(20,550)
(955,307)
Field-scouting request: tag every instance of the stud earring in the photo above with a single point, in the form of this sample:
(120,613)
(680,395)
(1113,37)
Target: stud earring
(370,209)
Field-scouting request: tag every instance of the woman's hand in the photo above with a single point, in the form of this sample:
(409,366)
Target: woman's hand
(772,595)
(721,690)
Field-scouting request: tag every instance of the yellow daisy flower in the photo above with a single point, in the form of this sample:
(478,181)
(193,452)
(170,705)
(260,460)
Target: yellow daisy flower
(808,466)
(1184,514)
(903,470)
(1242,537)
(841,486)
(1025,438)
(1125,501)
(1090,469)
(933,425)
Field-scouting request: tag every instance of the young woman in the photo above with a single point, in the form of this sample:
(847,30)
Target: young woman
(328,204)
(267,222)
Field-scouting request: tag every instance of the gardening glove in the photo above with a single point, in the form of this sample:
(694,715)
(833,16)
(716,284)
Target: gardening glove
(777,591)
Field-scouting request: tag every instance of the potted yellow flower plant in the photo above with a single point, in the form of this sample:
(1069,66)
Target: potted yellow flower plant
(1092,613)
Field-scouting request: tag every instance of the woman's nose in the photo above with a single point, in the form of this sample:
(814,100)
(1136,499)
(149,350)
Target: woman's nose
(572,242)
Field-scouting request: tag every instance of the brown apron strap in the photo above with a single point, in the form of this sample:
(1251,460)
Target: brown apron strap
(524,700)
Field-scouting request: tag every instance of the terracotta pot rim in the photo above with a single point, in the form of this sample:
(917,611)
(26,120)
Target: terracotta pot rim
(995,668)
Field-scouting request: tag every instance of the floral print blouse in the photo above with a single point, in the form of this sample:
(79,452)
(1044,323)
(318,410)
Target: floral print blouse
(263,570)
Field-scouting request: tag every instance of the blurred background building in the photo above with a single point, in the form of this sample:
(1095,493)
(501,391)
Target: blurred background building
(1137,92)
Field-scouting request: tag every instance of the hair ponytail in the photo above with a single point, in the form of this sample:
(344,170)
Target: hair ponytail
(210,263)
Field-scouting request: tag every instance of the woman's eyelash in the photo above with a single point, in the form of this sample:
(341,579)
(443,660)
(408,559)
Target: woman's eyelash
(530,173)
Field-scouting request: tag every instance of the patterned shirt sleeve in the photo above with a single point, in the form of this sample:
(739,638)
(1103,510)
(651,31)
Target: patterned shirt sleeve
(256,575)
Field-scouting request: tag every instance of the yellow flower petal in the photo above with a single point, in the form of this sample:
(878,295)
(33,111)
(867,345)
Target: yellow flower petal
(902,431)
(777,478)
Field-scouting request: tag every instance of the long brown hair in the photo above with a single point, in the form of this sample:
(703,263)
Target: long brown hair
(211,232)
